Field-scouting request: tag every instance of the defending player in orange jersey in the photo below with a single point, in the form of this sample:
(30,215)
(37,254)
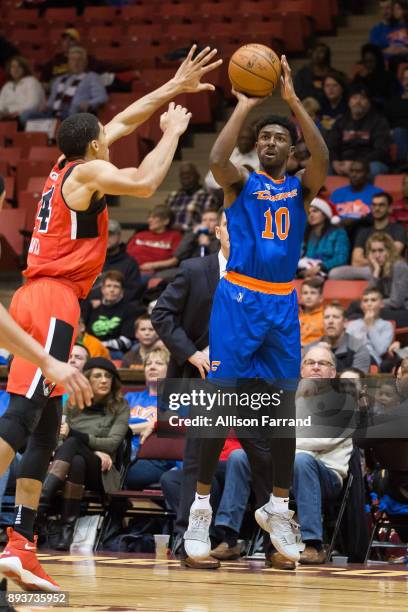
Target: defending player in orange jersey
(66,254)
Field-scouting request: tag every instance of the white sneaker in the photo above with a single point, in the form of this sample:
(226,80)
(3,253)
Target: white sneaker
(196,539)
(283,530)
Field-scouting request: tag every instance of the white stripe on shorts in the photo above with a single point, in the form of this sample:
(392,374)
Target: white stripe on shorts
(38,373)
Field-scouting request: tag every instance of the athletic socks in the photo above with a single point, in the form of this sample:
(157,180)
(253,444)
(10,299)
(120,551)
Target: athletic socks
(278,504)
(202,502)
(24,518)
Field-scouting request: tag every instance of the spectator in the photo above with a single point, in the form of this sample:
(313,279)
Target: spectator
(146,338)
(22,92)
(389,274)
(381,30)
(229,497)
(86,458)
(201,240)
(372,75)
(191,200)
(397,49)
(362,134)
(118,259)
(324,246)
(400,207)
(76,91)
(154,248)
(244,154)
(348,351)
(386,396)
(396,111)
(380,221)
(112,321)
(334,103)
(320,466)
(94,346)
(79,356)
(353,201)
(142,420)
(376,333)
(311,310)
(309,79)
(58,65)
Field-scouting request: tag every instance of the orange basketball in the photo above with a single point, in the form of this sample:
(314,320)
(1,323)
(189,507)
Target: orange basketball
(255,70)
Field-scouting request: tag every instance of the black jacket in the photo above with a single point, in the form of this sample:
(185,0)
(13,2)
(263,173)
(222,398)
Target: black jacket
(128,266)
(367,139)
(182,313)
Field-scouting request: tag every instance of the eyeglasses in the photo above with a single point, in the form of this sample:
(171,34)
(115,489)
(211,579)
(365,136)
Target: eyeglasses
(321,364)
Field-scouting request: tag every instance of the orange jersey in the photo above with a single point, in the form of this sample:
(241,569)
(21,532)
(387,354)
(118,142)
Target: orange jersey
(311,325)
(66,244)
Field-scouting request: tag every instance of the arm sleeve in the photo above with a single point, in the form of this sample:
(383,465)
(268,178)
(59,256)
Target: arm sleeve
(341,251)
(399,287)
(116,434)
(166,317)
(361,359)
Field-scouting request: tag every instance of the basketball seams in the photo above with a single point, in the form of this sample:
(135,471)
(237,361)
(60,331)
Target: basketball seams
(258,76)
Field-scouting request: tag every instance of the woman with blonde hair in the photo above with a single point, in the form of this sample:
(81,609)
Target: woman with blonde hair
(91,437)
(389,274)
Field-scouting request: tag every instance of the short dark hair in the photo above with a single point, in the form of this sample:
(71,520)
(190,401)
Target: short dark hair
(277,120)
(220,212)
(370,290)
(75,134)
(2,185)
(114,275)
(162,211)
(383,194)
(88,354)
(143,317)
(314,283)
(337,305)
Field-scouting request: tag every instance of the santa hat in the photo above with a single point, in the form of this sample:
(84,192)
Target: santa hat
(327,208)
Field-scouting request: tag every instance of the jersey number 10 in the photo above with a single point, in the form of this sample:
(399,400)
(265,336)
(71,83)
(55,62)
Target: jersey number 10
(282,224)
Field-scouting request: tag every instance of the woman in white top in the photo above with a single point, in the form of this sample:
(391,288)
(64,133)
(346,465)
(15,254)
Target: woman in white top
(22,92)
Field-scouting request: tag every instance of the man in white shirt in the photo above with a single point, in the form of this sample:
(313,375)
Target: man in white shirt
(320,466)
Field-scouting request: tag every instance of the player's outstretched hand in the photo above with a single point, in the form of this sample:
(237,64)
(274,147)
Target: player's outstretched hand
(75,383)
(188,76)
(248,101)
(175,118)
(200,360)
(287,88)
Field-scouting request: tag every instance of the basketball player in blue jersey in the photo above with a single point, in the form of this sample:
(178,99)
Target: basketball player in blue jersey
(254,327)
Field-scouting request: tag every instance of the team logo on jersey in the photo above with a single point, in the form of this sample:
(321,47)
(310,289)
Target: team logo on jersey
(48,388)
(276,197)
(240,297)
(214,365)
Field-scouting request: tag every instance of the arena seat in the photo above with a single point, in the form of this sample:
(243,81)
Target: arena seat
(10,186)
(106,34)
(11,155)
(12,221)
(20,17)
(102,15)
(50,154)
(25,37)
(28,201)
(152,32)
(25,140)
(343,291)
(223,10)
(4,168)
(176,13)
(392,183)
(60,16)
(36,184)
(300,29)
(8,129)
(136,14)
(28,168)
(270,32)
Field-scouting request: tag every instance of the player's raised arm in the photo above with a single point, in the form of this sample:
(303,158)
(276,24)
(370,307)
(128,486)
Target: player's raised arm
(18,342)
(315,174)
(230,177)
(142,182)
(186,80)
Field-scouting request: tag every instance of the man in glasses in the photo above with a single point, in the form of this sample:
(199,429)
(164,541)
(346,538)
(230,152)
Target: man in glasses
(320,466)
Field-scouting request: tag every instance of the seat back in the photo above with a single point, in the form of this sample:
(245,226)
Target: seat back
(155,447)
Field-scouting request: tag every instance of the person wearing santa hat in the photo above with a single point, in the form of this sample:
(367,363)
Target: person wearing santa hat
(325,245)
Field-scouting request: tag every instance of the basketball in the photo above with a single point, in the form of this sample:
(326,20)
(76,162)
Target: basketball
(254,70)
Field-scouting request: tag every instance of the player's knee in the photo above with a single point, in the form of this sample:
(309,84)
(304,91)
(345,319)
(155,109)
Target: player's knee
(19,421)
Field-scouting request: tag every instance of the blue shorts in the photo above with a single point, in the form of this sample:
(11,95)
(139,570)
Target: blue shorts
(254,334)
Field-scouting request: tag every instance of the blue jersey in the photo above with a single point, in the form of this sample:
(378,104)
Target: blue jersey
(266,224)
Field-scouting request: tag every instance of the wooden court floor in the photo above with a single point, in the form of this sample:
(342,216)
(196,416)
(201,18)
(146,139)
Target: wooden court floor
(113,582)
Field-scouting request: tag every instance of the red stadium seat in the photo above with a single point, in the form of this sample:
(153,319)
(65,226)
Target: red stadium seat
(20,17)
(11,155)
(392,183)
(177,13)
(269,31)
(28,168)
(224,10)
(36,184)
(137,14)
(258,10)
(61,16)
(10,186)
(105,34)
(343,291)
(101,15)
(225,31)
(25,140)
(4,168)
(28,201)
(144,32)
(8,129)
(334,182)
(50,154)
(12,221)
